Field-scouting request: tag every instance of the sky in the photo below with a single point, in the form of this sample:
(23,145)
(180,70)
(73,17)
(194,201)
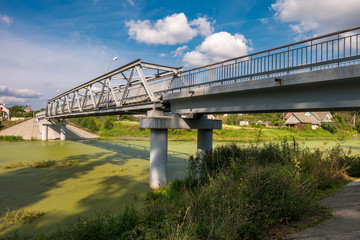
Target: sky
(50,46)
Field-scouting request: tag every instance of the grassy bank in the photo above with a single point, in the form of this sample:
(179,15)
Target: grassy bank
(237,192)
(228,133)
(7,123)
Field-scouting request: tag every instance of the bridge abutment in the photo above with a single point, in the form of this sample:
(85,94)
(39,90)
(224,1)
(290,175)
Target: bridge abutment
(56,129)
(159,126)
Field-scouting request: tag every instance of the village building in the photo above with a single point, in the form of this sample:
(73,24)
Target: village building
(27,109)
(4,112)
(300,119)
(244,123)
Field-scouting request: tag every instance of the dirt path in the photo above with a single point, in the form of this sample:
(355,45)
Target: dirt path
(346,221)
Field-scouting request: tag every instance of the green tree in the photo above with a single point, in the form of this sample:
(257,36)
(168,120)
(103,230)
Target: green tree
(17,111)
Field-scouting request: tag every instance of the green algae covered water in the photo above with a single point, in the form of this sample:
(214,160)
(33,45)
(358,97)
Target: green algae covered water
(109,175)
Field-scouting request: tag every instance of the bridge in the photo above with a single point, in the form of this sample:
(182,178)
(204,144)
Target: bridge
(321,73)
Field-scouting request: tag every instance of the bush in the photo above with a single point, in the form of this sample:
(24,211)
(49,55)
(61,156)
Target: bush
(331,127)
(89,123)
(109,122)
(274,194)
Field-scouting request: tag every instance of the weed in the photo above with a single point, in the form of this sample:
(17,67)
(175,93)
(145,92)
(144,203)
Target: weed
(23,216)
(11,138)
(42,164)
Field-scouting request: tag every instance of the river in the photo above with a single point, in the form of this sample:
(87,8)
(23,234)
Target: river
(108,176)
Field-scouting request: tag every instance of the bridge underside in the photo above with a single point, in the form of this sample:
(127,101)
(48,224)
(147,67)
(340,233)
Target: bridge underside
(330,89)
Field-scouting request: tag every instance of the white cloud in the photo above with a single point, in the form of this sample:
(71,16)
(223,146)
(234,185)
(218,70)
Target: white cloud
(6,19)
(313,17)
(264,20)
(162,55)
(45,66)
(195,58)
(131,2)
(23,93)
(218,47)
(12,96)
(179,51)
(170,30)
(203,25)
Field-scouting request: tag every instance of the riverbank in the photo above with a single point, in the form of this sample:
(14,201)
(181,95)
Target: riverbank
(228,133)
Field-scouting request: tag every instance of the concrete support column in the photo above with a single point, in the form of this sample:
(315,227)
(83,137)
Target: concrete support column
(204,142)
(158,158)
(44,135)
(63,132)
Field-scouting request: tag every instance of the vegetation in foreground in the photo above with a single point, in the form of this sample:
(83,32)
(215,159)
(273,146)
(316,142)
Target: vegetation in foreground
(235,192)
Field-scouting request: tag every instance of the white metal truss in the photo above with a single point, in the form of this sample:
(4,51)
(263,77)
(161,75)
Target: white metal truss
(135,84)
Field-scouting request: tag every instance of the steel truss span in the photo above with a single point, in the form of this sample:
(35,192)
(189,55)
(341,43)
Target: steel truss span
(140,86)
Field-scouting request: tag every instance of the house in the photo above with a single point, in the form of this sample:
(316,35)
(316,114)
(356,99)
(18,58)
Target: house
(265,124)
(4,112)
(244,123)
(300,119)
(27,109)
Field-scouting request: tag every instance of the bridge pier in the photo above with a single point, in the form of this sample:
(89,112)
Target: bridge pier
(158,158)
(159,126)
(62,130)
(204,142)
(44,134)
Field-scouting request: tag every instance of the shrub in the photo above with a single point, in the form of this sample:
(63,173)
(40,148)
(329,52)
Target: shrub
(274,194)
(89,123)
(11,138)
(109,122)
(331,127)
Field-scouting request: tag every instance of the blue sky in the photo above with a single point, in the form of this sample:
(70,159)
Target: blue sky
(49,45)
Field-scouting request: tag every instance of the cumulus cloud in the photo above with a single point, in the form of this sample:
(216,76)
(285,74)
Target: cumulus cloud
(203,25)
(218,47)
(170,30)
(6,19)
(313,17)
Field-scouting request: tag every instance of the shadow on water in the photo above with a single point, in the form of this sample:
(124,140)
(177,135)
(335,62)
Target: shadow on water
(103,180)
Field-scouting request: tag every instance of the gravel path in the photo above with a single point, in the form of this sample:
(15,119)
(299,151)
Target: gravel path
(346,221)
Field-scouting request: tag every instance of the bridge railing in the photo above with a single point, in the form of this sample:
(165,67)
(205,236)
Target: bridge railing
(327,51)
